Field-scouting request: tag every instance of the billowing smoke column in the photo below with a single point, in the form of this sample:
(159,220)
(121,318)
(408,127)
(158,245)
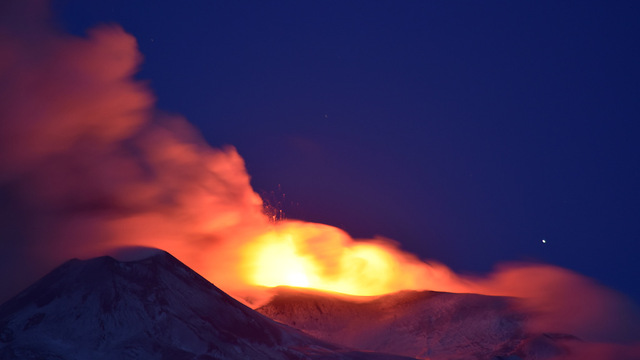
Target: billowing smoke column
(87,166)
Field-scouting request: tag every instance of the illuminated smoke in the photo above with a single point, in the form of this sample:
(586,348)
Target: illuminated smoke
(87,166)
(564,302)
(324,257)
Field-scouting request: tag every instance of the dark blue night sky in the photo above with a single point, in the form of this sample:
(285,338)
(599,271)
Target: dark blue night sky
(467,131)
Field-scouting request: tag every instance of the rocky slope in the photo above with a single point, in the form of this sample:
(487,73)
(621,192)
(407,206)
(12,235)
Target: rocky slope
(156,308)
(420,324)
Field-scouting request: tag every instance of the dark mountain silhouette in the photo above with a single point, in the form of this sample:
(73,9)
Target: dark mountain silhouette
(155,308)
(421,324)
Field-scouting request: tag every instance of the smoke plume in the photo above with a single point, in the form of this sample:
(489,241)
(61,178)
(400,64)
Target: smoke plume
(87,164)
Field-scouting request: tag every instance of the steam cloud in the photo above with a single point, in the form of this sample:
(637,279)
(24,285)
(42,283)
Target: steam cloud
(87,165)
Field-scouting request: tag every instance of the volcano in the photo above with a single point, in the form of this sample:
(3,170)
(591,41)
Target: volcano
(154,308)
(158,308)
(420,324)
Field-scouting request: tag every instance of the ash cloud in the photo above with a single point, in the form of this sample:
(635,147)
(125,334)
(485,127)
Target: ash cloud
(88,165)
(562,301)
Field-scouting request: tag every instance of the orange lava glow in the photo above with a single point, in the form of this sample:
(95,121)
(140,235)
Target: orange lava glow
(326,258)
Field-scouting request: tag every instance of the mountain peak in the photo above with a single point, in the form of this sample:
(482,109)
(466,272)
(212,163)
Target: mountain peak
(154,307)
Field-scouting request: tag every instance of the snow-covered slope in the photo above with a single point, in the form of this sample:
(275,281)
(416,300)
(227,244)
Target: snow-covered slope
(422,324)
(155,308)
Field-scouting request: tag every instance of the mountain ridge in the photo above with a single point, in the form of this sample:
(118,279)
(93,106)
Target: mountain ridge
(154,308)
(419,324)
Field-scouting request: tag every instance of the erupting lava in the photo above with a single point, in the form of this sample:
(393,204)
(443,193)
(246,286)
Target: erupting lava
(326,258)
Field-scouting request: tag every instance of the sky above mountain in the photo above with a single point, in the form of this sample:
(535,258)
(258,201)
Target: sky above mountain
(470,133)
